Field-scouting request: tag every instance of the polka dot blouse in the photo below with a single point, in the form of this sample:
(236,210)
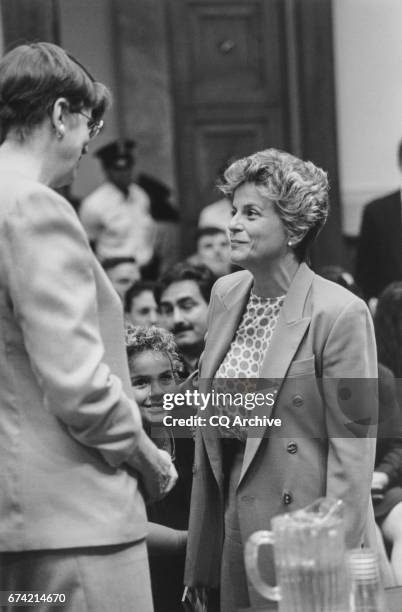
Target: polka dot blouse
(247,353)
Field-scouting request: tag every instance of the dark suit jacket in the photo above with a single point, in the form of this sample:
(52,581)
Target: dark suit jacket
(379,251)
(322,358)
(389,439)
(68,427)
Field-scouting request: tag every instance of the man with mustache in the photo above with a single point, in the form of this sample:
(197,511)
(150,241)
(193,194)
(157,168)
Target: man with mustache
(183,295)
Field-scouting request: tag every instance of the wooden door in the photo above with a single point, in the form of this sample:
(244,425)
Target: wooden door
(244,76)
(229,76)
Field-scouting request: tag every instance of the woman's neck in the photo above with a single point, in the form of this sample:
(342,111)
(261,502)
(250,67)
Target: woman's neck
(275,280)
(28,158)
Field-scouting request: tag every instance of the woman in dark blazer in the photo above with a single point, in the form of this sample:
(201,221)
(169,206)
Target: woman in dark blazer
(304,341)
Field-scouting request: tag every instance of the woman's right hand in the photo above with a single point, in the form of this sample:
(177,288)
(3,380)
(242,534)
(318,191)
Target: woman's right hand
(170,476)
(158,474)
(158,484)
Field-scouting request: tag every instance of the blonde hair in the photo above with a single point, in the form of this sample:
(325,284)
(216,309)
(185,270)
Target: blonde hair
(298,190)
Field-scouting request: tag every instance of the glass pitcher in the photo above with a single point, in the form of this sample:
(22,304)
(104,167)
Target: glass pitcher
(309,553)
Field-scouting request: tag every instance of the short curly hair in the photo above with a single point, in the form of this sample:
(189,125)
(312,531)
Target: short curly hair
(140,339)
(298,190)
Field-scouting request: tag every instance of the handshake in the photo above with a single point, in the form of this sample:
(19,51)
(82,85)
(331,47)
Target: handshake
(155,468)
(159,484)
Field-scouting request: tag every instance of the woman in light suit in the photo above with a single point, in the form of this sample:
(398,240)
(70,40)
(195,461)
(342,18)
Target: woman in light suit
(75,460)
(304,341)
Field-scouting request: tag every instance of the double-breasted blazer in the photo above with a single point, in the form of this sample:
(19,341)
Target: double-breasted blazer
(322,363)
(69,430)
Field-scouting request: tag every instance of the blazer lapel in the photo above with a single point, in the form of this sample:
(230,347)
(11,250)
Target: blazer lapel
(288,334)
(221,332)
(224,324)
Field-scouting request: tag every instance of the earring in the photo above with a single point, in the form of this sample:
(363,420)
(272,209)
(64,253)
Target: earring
(60,131)
(289,243)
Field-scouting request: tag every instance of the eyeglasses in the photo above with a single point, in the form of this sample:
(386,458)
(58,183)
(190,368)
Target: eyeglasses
(94,126)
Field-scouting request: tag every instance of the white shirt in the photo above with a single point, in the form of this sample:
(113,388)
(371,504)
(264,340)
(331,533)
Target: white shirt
(119,225)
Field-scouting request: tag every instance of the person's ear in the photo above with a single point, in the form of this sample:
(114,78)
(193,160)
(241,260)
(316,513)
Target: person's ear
(59,111)
(295,239)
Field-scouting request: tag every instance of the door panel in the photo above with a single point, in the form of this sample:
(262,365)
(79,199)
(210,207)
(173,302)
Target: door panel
(216,141)
(228,53)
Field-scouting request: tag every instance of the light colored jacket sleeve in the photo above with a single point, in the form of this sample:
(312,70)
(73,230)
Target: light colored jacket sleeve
(91,218)
(53,294)
(350,394)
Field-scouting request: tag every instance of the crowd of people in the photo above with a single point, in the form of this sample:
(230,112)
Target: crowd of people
(100,499)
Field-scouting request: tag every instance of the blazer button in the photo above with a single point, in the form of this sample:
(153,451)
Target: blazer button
(292,448)
(297,401)
(247,499)
(287,498)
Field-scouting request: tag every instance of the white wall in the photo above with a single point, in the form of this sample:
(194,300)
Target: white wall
(368,68)
(86,32)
